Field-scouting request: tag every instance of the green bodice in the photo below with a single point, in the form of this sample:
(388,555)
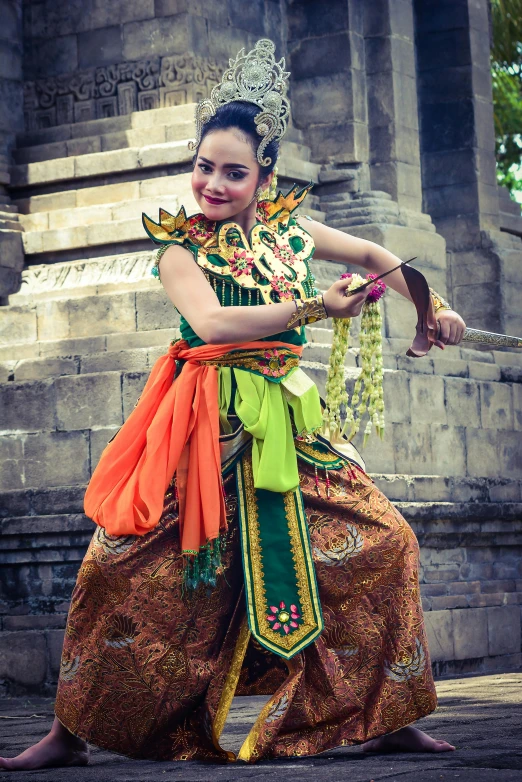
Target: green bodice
(268,266)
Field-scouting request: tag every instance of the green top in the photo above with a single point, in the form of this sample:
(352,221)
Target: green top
(268,266)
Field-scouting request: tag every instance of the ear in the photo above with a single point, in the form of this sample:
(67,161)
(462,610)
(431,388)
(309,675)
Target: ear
(266,181)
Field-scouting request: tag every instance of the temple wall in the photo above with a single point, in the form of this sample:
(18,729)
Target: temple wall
(392,122)
(91,60)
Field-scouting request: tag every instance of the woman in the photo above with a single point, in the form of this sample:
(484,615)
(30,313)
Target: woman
(157,640)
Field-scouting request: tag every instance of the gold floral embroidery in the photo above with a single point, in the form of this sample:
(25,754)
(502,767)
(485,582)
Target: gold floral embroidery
(341,548)
(69,668)
(260,361)
(408,665)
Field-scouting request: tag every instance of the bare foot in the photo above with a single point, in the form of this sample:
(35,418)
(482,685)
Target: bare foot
(408,739)
(58,748)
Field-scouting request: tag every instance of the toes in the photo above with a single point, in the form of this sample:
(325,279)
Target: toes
(442,746)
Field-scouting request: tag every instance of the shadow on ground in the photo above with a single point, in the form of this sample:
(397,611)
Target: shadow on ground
(481,715)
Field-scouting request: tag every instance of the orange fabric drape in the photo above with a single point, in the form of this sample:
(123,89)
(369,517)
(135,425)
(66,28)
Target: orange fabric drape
(174,427)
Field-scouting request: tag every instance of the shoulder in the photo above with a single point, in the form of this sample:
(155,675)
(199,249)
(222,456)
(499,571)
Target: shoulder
(279,211)
(179,229)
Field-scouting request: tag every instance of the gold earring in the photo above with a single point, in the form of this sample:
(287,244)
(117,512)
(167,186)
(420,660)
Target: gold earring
(259,192)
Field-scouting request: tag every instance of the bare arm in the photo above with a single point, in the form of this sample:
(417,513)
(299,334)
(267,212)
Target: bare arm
(191,294)
(335,245)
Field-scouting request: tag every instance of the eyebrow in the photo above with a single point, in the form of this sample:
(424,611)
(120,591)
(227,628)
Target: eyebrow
(226,165)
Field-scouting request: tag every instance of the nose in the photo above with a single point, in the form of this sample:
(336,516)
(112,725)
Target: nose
(215,183)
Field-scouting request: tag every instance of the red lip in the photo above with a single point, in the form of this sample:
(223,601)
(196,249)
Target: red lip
(214,200)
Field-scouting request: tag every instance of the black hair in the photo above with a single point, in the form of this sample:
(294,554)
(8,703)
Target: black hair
(241,114)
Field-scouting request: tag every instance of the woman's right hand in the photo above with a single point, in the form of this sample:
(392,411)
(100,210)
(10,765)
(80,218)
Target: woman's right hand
(338,305)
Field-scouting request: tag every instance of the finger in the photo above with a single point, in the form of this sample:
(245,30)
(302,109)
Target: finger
(434,337)
(453,334)
(342,285)
(444,331)
(359,298)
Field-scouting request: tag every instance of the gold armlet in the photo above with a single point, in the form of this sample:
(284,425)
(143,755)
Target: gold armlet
(307,311)
(438,302)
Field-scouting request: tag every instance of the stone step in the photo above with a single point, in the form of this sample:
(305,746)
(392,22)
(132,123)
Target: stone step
(42,502)
(134,121)
(139,350)
(480,493)
(122,161)
(138,120)
(8,208)
(7,224)
(123,139)
(145,308)
(115,273)
(119,211)
(53,430)
(41,550)
(114,194)
(160,134)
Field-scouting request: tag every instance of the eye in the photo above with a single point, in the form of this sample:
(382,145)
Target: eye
(204,167)
(236,175)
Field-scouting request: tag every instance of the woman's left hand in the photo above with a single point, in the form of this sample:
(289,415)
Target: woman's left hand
(451,328)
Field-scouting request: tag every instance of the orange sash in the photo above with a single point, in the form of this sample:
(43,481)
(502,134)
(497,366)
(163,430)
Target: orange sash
(174,428)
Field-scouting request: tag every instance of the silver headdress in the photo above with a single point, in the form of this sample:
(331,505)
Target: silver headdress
(256,78)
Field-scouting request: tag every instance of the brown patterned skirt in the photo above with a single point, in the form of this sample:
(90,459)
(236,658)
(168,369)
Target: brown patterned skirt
(149,669)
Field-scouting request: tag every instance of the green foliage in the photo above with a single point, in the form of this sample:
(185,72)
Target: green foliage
(506,69)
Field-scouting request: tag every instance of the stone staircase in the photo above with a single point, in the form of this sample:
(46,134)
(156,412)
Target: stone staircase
(77,343)
(83,196)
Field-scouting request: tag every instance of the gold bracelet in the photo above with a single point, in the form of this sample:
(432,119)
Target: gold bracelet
(438,302)
(307,311)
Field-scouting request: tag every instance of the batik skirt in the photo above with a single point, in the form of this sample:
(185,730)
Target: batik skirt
(149,667)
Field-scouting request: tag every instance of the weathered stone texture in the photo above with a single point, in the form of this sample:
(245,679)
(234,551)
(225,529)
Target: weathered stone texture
(23,659)
(88,401)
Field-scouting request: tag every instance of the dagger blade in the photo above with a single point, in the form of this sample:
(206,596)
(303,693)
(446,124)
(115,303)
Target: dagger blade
(376,280)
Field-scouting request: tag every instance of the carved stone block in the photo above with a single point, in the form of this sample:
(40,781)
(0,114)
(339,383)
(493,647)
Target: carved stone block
(119,89)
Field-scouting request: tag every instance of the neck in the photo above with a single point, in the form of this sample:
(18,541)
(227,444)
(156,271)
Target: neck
(246,219)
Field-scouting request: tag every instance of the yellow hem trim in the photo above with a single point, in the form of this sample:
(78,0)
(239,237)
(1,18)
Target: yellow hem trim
(248,746)
(230,685)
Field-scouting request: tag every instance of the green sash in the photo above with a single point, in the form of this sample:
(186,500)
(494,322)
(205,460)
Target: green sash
(283,607)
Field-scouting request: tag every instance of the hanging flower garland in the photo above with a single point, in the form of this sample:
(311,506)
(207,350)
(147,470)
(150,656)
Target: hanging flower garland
(367,394)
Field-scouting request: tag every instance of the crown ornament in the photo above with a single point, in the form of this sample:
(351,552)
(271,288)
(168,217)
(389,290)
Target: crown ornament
(254,78)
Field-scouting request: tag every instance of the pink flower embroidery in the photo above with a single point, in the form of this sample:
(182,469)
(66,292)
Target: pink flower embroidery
(201,228)
(282,287)
(241,263)
(285,255)
(273,363)
(262,211)
(284,618)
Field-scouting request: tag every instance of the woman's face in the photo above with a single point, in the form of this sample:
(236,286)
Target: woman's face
(226,174)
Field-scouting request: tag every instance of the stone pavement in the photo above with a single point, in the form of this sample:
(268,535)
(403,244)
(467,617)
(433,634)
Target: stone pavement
(481,715)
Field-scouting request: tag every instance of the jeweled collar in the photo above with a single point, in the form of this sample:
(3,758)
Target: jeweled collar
(200,230)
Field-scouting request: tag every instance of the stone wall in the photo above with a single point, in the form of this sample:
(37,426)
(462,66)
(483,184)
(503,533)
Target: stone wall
(88,60)
(11,123)
(458,162)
